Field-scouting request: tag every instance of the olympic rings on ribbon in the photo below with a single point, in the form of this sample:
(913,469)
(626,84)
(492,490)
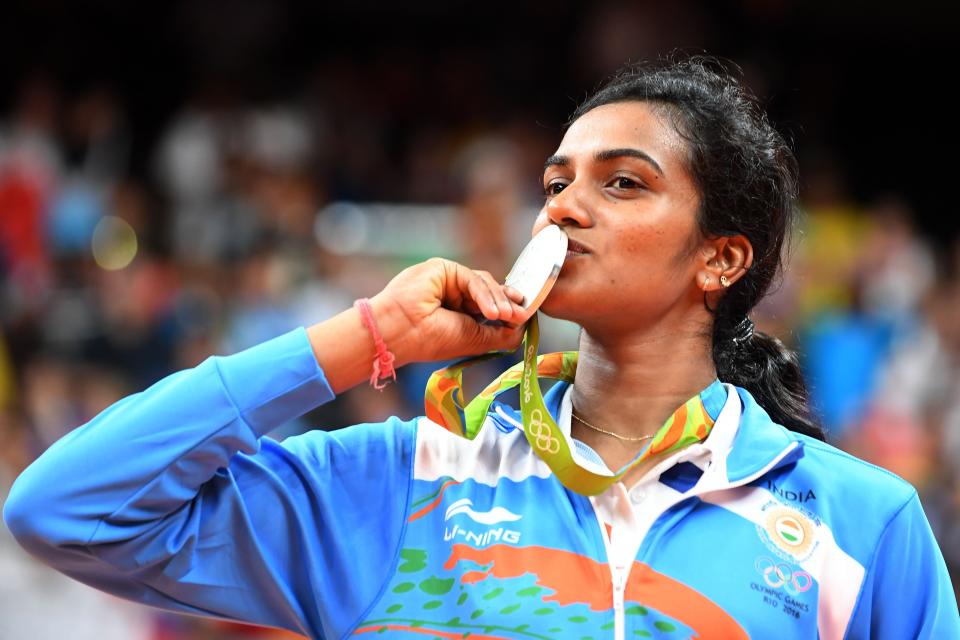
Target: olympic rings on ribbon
(781,574)
(545,440)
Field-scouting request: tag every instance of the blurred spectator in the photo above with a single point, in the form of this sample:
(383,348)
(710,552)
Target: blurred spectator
(30,167)
(898,266)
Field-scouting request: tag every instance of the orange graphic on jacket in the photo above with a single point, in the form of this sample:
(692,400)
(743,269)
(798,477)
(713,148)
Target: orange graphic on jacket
(576,579)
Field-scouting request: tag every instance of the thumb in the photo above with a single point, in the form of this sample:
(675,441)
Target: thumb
(502,338)
(492,336)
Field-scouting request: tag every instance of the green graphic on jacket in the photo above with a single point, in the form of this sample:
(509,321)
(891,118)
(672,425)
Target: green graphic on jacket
(504,591)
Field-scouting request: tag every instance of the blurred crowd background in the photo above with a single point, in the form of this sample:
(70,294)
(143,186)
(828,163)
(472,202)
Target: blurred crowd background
(184,179)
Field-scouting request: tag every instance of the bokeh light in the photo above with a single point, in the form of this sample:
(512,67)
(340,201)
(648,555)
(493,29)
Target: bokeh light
(114,243)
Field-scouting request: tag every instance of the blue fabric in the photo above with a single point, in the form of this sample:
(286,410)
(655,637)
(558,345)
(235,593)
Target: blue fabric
(149,501)
(895,598)
(681,477)
(174,498)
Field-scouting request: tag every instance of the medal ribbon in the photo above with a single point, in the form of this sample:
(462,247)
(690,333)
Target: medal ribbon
(443,403)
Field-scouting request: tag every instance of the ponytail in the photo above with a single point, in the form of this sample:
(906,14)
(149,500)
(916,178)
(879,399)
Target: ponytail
(766,368)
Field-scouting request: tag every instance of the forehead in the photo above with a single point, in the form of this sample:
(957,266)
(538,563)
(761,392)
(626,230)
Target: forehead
(626,125)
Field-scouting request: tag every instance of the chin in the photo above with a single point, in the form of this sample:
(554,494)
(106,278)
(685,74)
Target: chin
(559,305)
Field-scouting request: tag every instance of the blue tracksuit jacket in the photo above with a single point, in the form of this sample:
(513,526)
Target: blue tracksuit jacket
(173,497)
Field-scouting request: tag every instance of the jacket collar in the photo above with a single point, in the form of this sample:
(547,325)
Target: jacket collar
(744,440)
(759,441)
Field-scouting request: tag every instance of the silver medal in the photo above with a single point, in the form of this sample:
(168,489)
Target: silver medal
(537,268)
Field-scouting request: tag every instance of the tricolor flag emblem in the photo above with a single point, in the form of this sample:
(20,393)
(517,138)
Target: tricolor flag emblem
(790,531)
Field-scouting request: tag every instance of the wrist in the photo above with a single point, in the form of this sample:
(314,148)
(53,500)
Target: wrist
(395,328)
(347,350)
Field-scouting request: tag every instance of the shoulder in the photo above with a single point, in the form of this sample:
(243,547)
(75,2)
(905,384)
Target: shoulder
(860,500)
(499,451)
(852,473)
(830,467)
(846,488)
(392,439)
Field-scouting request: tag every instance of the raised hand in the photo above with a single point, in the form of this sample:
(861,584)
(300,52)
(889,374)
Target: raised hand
(434,310)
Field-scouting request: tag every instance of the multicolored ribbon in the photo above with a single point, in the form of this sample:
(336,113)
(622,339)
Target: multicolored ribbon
(443,403)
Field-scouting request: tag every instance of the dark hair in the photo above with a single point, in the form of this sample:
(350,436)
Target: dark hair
(747,176)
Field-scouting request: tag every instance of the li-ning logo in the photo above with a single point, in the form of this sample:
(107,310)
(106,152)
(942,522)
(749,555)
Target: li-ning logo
(545,440)
(781,574)
(492,517)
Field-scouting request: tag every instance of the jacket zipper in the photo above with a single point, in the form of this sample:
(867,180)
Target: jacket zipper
(620,575)
(619,617)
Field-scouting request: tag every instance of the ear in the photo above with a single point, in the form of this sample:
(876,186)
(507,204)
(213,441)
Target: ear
(723,261)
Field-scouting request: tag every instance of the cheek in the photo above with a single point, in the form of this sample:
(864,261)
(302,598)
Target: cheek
(655,251)
(638,242)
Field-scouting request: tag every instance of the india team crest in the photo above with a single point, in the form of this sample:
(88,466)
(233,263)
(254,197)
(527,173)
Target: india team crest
(788,532)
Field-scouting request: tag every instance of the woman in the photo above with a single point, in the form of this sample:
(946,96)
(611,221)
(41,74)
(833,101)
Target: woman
(675,194)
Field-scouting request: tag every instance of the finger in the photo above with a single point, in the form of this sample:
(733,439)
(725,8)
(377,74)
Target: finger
(503,338)
(510,300)
(455,279)
(479,290)
(504,304)
(520,313)
(517,313)
(460,288)
(514,294)
(493,337)
(470,307)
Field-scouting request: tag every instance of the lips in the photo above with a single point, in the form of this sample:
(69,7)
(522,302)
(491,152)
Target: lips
(575,248)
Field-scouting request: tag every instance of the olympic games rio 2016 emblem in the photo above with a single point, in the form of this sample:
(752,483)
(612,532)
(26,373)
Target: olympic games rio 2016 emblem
(782,575)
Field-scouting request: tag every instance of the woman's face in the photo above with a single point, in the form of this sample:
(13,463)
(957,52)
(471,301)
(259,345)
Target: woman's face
(620,188)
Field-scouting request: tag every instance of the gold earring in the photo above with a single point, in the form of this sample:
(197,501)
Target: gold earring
(724,281)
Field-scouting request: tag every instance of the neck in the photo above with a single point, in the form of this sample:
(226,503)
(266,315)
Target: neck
(631,383)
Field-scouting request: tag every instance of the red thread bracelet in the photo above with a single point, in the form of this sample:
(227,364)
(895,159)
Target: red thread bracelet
(383,361)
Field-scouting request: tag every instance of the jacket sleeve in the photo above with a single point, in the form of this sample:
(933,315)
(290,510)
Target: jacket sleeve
(908,592)
(170,497)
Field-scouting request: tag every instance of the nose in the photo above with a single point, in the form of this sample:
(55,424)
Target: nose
(567,209)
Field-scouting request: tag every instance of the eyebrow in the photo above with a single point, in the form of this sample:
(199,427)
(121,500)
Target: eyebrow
(605,156)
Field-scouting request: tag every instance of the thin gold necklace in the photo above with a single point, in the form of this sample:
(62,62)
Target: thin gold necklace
(610,433)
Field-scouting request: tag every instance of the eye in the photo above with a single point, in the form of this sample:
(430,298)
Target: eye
(553,188)
(626,184)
